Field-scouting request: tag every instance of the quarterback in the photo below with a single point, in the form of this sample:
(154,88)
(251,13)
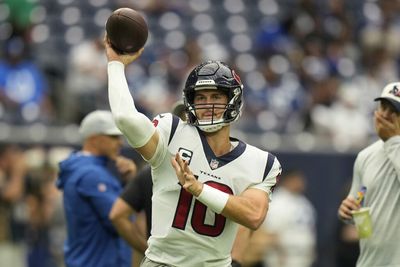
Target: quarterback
(205,183)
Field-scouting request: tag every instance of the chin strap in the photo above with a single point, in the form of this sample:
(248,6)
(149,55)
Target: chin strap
(210,128)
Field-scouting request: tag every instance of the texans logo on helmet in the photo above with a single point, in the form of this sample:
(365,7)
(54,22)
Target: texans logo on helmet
(395,91)
(237,78)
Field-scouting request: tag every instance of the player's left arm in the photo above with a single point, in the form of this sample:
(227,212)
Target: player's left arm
(248,209)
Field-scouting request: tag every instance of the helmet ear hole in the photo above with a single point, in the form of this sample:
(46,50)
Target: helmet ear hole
(233,113)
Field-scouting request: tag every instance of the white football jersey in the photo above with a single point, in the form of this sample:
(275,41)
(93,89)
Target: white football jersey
(184,231)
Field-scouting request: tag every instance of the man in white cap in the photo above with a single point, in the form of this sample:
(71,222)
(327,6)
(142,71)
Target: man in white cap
(90,190)
(377,176)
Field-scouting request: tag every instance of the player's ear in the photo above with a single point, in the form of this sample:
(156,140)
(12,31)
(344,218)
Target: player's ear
(105,38)
(140,51)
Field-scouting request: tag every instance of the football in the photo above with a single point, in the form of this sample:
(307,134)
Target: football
(127,30)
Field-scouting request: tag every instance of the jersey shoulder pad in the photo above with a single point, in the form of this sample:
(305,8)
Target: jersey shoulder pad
(161,120)
(166,124)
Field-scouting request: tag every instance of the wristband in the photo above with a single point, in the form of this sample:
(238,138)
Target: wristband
(213,198)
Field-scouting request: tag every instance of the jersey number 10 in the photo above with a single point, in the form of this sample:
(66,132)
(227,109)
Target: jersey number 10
(199,213)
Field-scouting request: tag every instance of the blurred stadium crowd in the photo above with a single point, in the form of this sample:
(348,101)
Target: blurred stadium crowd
(311,69)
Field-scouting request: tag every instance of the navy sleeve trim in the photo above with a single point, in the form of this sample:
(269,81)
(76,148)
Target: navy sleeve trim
(270,162)
(175,122)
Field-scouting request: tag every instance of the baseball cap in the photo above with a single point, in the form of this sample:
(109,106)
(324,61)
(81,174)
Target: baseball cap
(391,93)
(98,122)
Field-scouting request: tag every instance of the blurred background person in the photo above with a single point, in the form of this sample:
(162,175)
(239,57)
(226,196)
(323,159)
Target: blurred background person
(24,93)
(86,78)
(347,248)
(89,191)
(43,215)
(41,202)
(291,222)
(12,188)
(377,172)
(249,247)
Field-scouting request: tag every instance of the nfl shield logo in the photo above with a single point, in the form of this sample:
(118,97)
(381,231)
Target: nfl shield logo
(214,164)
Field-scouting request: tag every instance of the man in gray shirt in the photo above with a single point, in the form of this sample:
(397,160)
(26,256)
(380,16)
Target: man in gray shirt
(377,168)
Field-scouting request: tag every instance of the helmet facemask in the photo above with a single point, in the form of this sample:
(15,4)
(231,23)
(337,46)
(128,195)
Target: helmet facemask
(209,125)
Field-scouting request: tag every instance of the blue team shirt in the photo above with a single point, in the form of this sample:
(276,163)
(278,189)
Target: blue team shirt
(90,190)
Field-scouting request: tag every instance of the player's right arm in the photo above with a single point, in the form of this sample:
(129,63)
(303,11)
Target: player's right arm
(348,205)
(136,127)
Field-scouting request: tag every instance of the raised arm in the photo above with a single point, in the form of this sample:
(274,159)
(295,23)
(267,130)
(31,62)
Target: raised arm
(136,127)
